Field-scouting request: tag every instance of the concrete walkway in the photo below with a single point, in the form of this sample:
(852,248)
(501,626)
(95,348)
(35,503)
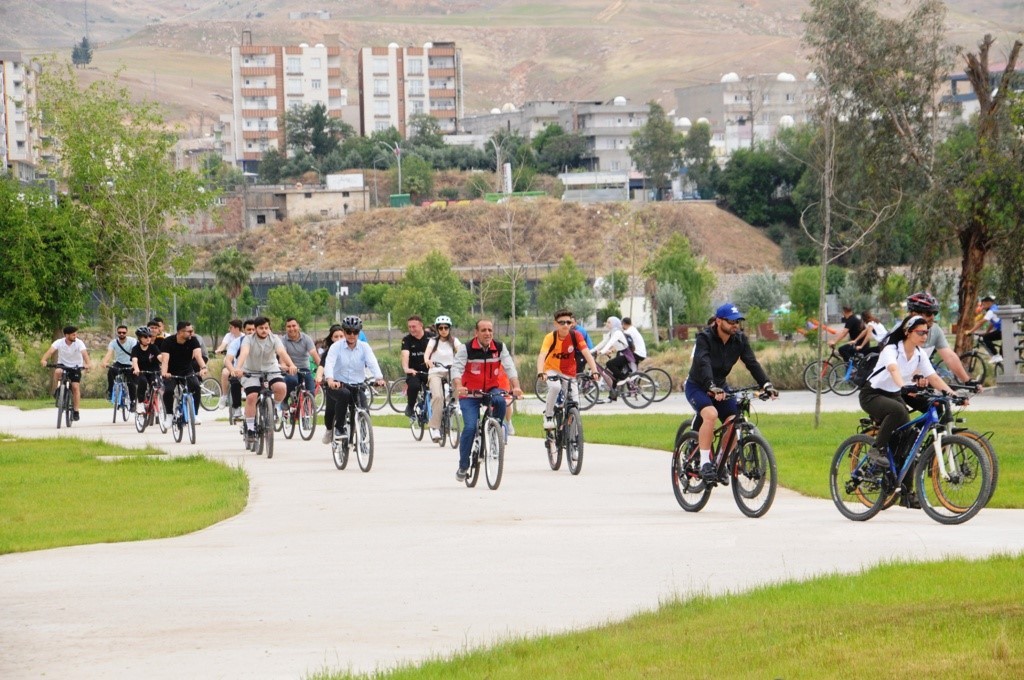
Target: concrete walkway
(342,569)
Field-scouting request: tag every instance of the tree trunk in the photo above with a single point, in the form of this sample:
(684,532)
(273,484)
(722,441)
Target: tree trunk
(974,245)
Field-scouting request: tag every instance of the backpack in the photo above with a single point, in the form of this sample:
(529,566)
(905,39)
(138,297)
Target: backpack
(864,368)
(581,361)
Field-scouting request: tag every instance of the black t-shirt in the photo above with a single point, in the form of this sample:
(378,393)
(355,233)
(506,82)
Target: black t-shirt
(416,349)
(854,326)
(148,358)
(180,361)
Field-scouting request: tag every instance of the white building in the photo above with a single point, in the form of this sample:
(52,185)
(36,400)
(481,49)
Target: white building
(20,140)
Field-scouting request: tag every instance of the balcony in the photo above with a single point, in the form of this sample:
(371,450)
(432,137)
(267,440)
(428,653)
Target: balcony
(252,156)
(333,72)
(334,92)
(442,94)
(259,113)
(259,134)
(256,70)
(258,92)
(441,73)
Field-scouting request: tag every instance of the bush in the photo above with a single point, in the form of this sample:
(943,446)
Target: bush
(763,290)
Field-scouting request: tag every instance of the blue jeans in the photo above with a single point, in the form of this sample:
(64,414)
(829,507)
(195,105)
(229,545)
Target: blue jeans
(470,407)
(292,381)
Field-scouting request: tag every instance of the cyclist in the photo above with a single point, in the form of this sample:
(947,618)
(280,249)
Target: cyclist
(414,345)
(440,350)
(234,332)
(853,328)
(334,334)
(636,340)
(230,357)
(558,357)
(345,366)
(263,353)
(74,355)
(156,327)
(178,353)
(477,368)
(615,341)
(995,328)
(120,350)
(902,366)
(874,331)
(718,348)
(926,306)
(301,349)
(145,357)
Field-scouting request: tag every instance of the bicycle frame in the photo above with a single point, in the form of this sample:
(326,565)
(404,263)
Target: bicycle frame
(929,423)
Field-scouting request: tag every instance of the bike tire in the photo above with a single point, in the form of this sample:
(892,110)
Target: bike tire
(339,452)
(398,396)
(554,450)
(573,440)
(962,496)
(364,442)
(474,461)
(209,394)
(320,398)
(690,491)
(858,491)
(270,425)
(663,382)
(177,418)
(455,428)
(637,390)
(975,365)
(142,419)
(540,388)
(115,398)
(590,392)
(816,376)
(69,408)
(377,397)
(159,413)
(288,421)
(985,444)
(416,424)
(190,418)
(755,475)
(840,381)
(306,416)
(61,404)
(494,454)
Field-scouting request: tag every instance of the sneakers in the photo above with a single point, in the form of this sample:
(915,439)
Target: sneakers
(708,473)
(250,435)
(75,416)
(996,359)
(549,423)
(613,394)
(224,401)
(140,408)
(462,474)
(328,436)
(341,433)
(198,420)
(408,410)
(510,428)
(435,435)
(167,421)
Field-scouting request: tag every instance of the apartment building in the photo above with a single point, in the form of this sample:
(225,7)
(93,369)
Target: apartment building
(20,147)
(397,83)
(743,110)
(608,129)
(268,80)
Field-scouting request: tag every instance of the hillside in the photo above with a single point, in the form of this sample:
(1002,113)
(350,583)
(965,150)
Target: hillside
(597,236)
(514,50)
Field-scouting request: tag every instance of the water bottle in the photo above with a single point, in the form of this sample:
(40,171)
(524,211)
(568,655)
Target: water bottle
(561,398)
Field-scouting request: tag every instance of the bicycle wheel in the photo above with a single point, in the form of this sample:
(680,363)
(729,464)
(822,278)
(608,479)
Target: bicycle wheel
(816,376)
(177,418)
(290,416)
(454,428)
(377,397)
(589,393)
(269,426)
(416,424)
(474,460)
(339,451)
(320,398)
(663,382)
(840,380)
(69,407)
(540,388)
(962,492)
(209,394)
(983,442)
(125,402)
(554,450)
(494,455)
(398,395)
(637,390)
(690,491)
(158,413)
(142,419)
(574,440)
(754,475)
(364,440)
(115,398)
(306,416)
(975,366)
(858,488)
(61,404)
(189,414)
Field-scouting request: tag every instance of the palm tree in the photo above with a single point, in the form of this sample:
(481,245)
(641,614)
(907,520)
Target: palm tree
(232,269)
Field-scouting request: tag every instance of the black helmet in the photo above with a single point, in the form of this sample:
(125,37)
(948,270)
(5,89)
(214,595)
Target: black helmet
(922,303)
(352,323)
(143,332)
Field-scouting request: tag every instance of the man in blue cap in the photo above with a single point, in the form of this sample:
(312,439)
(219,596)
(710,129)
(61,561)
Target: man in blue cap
(718,348)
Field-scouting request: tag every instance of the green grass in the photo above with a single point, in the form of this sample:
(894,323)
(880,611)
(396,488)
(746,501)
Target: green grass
(804,453)
(47,402)
(956,618)
(58,493)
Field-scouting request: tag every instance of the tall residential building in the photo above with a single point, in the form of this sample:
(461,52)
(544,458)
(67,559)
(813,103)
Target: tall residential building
(20,148)
(397,83)
(607,128)
(268,80)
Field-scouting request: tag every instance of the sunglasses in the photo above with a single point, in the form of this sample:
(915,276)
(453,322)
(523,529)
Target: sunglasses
(351,332)
(564,322)
(120,333)
(920,332)
(733,323)
(443,328)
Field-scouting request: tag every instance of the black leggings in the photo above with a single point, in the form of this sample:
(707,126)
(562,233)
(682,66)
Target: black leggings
(889,410)
(338,403)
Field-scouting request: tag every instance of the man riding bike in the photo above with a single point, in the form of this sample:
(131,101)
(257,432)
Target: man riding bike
(718,348)
(120,351)
(926,306)
(557,357)
(74,355)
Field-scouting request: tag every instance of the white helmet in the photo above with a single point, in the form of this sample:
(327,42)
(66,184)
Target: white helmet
(443,321)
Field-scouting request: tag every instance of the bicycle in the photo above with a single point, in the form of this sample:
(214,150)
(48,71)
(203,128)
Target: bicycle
(153,403)
(359,433)
(120,394)
(64,399)
(266,415)
(299,409)
(588,385)
(662,382)
(210,394)
(488,443)
(183,416)
(816,373)
(567,434)
(421,409)
(841,376)
(976,359)
(740,454)
(951,474)
(451,416)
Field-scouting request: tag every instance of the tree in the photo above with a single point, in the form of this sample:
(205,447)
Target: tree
(429,288)
(556,150)
(310,130)
(657,148)
(698,159)
(81,54)
(496,295)
(116,162)
(232,270)
(426,131)
(271,168)
(372,295)
(291,300)
(417,176)
(751,185)
(615,286)
(558,287)
(763,290)
(675,263)
(46,277)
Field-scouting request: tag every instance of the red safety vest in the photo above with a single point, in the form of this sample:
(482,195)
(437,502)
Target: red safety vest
(483,366)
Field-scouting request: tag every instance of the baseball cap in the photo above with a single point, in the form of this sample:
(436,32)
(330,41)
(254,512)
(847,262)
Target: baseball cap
(988,298)
(729,312)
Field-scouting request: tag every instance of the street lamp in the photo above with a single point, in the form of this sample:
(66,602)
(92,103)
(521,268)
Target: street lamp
(376,159)
(397,150)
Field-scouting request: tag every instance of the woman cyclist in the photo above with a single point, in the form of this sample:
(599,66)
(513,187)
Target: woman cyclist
(440,353)
(145,365)
(335,334)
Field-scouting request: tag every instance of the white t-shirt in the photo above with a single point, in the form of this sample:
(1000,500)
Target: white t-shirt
(878,331)
(69,355)
(917,364)
(442,353)
(639,346)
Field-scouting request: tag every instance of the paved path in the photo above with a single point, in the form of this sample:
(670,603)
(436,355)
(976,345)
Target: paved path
(349,570)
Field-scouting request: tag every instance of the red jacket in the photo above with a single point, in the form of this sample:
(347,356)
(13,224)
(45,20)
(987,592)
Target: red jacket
(483,366)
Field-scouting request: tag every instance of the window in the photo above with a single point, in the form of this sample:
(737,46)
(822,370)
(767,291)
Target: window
(382,125)
(415,67)
(381,107)
(314,62)
(307,195)
(765,119)
(380,87)
(314,84)
(380,65)
(294,65)
(789,97)
(416,88)
(416,105)
(294,86)
(261,219)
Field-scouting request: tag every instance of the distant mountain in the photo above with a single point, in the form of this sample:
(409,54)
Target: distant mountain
(513,50)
